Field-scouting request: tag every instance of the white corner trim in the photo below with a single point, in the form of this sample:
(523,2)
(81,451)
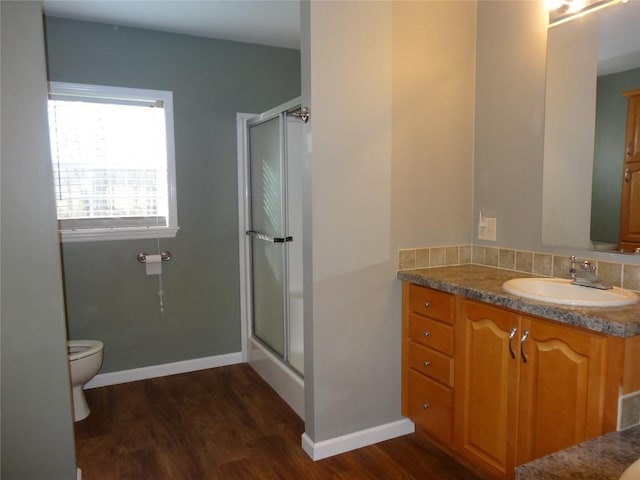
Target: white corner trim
(243,223)
(78,474)
(125,376)
(351,441)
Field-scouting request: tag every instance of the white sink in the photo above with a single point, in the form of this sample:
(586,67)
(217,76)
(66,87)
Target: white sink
(631,473)
(560,291)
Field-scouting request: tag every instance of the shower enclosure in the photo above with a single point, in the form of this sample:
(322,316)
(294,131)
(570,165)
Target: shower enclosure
(271,246)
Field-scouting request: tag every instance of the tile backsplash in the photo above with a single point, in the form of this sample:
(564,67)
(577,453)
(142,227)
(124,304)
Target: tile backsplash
(543,264)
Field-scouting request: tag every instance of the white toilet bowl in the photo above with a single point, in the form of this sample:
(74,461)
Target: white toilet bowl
(85,359)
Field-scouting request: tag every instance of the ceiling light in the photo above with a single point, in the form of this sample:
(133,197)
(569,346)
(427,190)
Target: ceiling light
(576,6)
(562,10)
(553,4)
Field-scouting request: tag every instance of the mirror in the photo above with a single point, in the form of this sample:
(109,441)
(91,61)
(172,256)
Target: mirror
(591,61)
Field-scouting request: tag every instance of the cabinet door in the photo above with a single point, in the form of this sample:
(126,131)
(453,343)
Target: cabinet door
(630,201)
(630,208)
(561,388)
(486,393)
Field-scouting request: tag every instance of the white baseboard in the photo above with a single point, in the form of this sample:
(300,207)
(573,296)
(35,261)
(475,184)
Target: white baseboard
(125,376)
(78,474)
(351,441)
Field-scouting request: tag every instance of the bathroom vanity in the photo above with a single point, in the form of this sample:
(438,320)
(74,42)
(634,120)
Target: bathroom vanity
(499,380)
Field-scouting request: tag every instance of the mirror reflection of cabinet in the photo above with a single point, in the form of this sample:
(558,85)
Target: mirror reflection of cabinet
(630,201)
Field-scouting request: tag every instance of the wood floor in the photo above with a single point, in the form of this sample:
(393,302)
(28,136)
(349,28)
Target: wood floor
(227,423)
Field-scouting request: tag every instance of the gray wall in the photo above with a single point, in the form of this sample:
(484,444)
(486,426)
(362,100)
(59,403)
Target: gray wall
(37,429)
(611,121)
(108,295)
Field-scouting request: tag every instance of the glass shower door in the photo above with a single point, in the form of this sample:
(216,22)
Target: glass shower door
(268,227)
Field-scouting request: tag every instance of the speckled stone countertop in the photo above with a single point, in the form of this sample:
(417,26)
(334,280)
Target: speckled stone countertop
(483,283)
(603,458)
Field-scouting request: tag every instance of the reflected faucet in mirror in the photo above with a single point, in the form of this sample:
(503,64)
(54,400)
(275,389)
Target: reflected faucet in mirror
(583,273)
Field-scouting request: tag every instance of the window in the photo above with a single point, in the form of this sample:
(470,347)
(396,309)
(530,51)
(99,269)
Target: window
(113,162)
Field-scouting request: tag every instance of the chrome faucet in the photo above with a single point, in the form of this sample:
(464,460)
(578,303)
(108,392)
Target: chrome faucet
(583,273)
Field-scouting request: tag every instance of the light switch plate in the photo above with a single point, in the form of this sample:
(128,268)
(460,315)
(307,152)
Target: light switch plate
(487,229)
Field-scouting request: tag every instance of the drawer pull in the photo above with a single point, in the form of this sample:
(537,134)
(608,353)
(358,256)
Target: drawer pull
(427,304)
(426,363)
(426,333)
(425,406)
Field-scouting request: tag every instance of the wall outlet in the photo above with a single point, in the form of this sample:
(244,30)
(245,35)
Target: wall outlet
(487,229)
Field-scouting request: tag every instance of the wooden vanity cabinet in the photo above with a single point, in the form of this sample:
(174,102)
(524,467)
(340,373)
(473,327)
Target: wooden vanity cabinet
(498,388)
(427,360)
(525,387)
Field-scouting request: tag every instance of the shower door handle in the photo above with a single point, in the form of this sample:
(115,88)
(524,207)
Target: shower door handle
(267,238)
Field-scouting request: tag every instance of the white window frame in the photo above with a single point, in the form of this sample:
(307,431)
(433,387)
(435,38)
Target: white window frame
(136,232)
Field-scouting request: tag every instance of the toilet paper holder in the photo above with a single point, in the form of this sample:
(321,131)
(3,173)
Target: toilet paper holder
(165,256)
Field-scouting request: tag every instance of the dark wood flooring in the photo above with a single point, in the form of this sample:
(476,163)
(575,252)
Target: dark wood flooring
(227,423)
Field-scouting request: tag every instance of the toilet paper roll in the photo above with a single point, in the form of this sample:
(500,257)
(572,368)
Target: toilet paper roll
(154,264)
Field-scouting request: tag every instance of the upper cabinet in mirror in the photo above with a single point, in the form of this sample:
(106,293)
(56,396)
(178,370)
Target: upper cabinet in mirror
(591,62)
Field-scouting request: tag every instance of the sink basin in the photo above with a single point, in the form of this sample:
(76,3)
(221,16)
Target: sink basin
(631,473)
(561,291)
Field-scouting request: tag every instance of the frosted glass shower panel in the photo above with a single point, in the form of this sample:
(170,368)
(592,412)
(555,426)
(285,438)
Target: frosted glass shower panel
(267,202)
(268,224)
(268,292)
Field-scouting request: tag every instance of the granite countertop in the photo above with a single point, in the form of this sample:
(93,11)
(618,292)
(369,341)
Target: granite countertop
(478,282)
(603,458)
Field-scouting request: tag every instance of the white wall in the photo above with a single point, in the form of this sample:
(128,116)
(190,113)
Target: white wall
(351,96)
(390,85)
(433,95)
(355,382)
(570,115)
(37,428)
(509,120)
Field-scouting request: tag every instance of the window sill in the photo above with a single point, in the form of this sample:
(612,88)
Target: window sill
(104,234)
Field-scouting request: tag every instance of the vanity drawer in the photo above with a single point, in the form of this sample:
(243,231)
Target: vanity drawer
(431,363)
(430,406)
(431,333)
(432,303)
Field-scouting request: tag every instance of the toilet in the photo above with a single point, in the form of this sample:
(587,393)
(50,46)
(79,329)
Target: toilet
(85,359)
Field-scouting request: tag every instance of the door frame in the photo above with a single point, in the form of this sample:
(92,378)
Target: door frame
(243,245)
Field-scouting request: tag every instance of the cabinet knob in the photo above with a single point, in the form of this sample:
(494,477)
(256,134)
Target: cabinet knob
(427,304)
(426,363)
(426,333)
(425,406)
